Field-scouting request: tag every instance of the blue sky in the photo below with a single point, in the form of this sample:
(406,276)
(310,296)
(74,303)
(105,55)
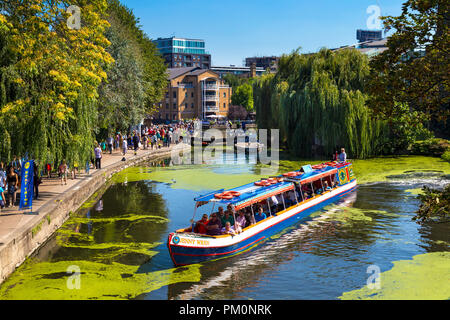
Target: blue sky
(236,29)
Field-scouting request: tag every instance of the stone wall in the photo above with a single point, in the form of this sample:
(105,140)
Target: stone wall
(24,241)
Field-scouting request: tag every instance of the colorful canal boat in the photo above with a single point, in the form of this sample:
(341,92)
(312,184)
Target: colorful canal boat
(300,193)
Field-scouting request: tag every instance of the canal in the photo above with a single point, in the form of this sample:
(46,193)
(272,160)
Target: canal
(114,247)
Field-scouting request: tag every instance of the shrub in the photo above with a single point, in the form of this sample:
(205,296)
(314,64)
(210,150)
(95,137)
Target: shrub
(431,147)
(446,155)
(435,205)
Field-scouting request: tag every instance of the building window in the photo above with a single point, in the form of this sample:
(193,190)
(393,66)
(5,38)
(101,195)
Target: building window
(167,106)
(174,95)
(224,94)
(185,105)
(186,95)
(192,94)
(174,105)
(192,105)
(224,105)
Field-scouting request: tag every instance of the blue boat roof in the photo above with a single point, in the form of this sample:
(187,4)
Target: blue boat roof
(247,191)
(250,190)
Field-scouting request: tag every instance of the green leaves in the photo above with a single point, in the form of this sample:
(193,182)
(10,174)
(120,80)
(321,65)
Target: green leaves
(435,205)
(414,69)
(243,96)
(317,102)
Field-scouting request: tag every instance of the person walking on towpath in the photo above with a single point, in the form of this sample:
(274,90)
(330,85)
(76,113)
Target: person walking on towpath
(62,170)
(98,157)
(135,142)
(110,142)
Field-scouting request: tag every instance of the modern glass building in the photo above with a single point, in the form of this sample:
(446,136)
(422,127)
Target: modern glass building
(181,52)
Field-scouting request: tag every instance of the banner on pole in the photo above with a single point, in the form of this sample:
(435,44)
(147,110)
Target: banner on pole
(27,190)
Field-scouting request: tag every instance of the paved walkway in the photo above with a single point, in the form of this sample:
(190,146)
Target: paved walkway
(11,219)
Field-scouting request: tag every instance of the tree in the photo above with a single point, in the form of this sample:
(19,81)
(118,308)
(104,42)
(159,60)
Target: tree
(137,79)
(318,103)
(237,113)
(49,75)
(243,96)
(413,72)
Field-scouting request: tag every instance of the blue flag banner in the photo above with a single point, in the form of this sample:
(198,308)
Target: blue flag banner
(26,190)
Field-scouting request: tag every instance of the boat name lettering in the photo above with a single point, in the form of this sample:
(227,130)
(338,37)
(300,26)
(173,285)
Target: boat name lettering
(194,242)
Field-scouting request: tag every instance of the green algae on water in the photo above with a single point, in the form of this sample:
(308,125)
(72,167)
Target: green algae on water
(198,178)
(380,169)
(415,192)
(126,217)
(423,278)
(52,281)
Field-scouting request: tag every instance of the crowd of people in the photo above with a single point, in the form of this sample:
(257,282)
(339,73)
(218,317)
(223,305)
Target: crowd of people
(152,137)
(10,182)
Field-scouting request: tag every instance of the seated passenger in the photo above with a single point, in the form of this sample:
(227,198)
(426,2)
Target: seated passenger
(214,227)
(200,226)
(274,205)
(290,199)
(227,218)
(327,188)
(260,215)
(221,214)
(230,209)
(228,229)
(241,222)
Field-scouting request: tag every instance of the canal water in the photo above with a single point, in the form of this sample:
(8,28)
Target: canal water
(114,247)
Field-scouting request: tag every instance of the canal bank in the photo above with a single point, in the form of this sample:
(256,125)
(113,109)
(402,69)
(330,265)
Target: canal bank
(21,234)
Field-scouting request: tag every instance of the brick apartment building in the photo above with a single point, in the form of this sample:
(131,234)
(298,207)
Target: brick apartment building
(194,92)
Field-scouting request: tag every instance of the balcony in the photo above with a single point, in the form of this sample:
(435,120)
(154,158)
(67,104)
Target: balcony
(211,98)
(211,109)
(210,87)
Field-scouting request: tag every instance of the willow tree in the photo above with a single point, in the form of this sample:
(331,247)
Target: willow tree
(49,78)
(318,103)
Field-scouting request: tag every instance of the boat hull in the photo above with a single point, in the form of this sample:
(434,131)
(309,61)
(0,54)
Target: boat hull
(188,249)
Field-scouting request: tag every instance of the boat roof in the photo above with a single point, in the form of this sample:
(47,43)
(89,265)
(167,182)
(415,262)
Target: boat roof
(250,193)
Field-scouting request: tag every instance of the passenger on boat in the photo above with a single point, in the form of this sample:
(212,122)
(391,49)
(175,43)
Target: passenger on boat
(326,186)
(249,217)
(260,215)
(274,205)
(228,229)
(221,213)
(241,222)
(290,199)
(343,155)
(230,209)
(227,218)
(214,227)
(200,226)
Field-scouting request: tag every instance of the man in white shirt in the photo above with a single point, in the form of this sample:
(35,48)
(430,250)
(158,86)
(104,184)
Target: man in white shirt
(343,156)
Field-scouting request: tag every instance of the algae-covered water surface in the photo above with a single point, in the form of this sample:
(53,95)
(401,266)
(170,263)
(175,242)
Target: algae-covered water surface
(114,247)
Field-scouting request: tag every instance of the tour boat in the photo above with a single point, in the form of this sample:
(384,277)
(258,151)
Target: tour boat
(186,247)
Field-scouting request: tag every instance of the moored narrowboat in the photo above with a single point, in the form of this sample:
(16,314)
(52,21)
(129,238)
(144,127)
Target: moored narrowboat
(284,199)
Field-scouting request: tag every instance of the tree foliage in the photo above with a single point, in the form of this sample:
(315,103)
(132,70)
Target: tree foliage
(318,103)
(243,96)
(49,77)
(59,86)
(413,72)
